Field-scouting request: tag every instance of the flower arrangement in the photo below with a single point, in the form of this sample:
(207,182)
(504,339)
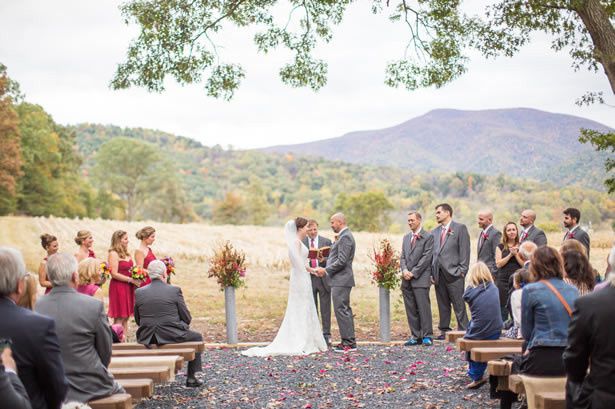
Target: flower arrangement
(105,271)
(228,266)
(386,263)
(168,261)
(138,273)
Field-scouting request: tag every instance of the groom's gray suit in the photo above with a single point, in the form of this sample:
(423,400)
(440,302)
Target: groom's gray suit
(321,288)
(341,279)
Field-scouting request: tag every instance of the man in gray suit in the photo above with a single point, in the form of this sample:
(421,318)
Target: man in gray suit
(320,287)
(415,263)
(451,259)
(488,240)
(83,331)
(529,231)
(572,217)
(340,275)
(163,318)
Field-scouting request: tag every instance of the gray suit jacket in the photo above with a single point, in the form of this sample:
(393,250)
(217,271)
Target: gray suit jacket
(537,236)
(486,249)
(85,342)
(453,256)
(322,242)
(160,311)
(417,259)
(339,263)
(580,235)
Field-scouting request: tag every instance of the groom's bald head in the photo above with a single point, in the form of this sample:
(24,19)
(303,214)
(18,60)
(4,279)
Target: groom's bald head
(338,222)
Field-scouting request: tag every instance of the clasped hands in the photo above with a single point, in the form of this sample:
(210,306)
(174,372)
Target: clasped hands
(318,271)
(407,275)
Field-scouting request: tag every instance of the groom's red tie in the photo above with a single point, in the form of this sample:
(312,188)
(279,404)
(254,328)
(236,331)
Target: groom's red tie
(313,263)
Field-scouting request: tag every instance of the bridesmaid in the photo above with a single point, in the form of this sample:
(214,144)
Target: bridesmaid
(50,244)
(85,241)
(144,254)
(122,287)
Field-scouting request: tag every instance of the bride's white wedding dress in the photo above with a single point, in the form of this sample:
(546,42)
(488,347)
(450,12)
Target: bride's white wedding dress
(300,332)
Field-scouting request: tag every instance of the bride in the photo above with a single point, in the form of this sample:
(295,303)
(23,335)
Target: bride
(300,333)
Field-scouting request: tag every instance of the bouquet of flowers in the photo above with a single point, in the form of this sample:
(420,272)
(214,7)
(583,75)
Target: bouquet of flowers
(386,263)
(228,266)
(138,273)
(168,261)
(105,271)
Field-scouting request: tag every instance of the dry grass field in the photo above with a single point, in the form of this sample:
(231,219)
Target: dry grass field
(261,305)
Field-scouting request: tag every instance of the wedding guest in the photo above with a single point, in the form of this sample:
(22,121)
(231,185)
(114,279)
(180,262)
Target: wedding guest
(12,392)
(83,332)
(531,232)
(320,287)
(28,298)
(486,323)
(589,357)
(572,245)
(578,272)
(526,251)
(520,279)
(610,270)
(571,220)
(90,274)
(488,241)
(85,242)
(122,286)
(508,260)
(451,259)
(34,340)
(415,262)
(51,246)
(144,254)
(164,318)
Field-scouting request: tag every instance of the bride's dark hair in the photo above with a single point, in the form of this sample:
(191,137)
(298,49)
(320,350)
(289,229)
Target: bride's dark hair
(300,222)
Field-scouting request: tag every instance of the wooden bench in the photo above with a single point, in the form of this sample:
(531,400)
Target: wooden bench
(469,344)
(174,363)
(550,400)
(197,346)
(487,354)
(138,388)
(158,374)
(118,401)
(187,353)
(452,336)
(515,384)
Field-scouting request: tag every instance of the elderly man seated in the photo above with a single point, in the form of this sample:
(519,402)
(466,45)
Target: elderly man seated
(83,331)
(163,318)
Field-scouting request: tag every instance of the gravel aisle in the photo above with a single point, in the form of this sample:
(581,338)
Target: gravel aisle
(373,377)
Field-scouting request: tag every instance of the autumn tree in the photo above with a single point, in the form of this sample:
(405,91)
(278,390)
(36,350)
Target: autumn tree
(10,145)
(365,211)
(603,142)
(230,210)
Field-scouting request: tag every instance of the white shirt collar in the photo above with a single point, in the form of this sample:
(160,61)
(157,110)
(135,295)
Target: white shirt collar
(527,229)
(573,229)
(486,229)
(448,225)
(341,231)
(417,230)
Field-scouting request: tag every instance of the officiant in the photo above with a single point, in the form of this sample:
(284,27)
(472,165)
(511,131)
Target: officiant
(320,287)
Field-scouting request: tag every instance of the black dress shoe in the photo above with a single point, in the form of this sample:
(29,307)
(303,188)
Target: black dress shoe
(193,383)
(441,337)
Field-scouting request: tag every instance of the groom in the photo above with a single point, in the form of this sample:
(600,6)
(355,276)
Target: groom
(339,274)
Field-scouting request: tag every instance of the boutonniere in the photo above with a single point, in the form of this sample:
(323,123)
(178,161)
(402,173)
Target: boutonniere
(450,233)
(571,235)
(419,236)
(335,238)
(485,235)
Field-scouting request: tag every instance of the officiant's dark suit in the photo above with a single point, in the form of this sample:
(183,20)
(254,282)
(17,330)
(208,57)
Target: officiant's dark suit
(451,259)
(321,288)
(416,257)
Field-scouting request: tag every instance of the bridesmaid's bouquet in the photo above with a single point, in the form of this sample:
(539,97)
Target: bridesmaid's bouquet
(138,273)
(105,271)
(228,266)
(386,264)
(168,261)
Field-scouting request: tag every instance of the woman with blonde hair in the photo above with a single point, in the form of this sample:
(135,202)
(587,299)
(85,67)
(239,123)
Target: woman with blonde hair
(486,321)
(89,271)
(51,246)
(28,298)
(122,286)
(144,254)
(85,241)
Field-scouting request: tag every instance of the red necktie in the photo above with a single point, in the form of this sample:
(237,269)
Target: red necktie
(443,235)
(312,261)
(523,235)
(413,242)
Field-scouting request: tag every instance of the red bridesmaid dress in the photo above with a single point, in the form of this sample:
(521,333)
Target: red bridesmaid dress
(91,253)
(148,259)
(122,294)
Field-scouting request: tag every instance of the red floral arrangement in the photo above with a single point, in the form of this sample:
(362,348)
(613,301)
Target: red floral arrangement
(228,266)
(386,263)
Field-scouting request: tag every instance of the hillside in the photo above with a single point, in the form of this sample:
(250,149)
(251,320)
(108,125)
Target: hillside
(521,142)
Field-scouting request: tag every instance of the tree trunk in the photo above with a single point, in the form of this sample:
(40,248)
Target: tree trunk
(597,22)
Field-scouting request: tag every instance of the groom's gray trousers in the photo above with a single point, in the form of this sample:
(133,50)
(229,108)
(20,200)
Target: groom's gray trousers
(343,313)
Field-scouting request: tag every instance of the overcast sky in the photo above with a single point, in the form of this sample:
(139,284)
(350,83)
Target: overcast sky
(64,53)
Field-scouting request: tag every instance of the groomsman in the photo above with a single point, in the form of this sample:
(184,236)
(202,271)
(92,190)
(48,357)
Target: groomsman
(488,240)
(416,255)
(320,287)
(572,217)
(529,231)
(451,259)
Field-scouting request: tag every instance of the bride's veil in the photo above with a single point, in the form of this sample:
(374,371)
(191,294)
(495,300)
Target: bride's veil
(290,232)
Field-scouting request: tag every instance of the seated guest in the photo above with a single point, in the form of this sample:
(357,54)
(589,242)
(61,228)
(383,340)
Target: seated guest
(591,335)
(89,275)
(610,270)
(578,272)
(34,340)
(520,279)
(12,392)
(163,318)
(28,298)
(83,331)
(486,323)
